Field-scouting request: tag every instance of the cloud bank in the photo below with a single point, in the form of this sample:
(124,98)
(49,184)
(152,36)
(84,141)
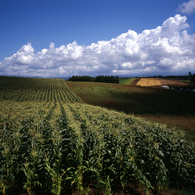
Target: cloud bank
(167,49)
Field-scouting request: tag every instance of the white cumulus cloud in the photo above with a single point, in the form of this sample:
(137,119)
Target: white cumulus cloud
(187,7)
(167,49)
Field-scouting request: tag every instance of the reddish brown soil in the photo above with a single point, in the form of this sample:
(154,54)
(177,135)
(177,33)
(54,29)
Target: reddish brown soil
(134,83)
(173,82)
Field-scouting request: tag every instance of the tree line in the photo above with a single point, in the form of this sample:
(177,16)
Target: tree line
(104,79)
(192,77)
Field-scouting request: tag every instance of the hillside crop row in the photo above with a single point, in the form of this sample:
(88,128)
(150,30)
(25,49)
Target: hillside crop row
(95,97)
(135,99)
(173,107)
(77,147)
(31,89)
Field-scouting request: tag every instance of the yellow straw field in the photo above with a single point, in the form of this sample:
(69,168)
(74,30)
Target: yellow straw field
(149,82)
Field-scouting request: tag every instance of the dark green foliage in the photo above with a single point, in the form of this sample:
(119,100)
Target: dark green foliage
(81,78)
(104,79)
(51,159)
(193,78)
(107,79)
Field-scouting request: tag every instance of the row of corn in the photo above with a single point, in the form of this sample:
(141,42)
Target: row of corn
(38,90)
(77,147)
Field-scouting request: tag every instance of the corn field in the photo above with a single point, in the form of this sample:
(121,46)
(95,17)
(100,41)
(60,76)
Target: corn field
(36,89)
(53,143)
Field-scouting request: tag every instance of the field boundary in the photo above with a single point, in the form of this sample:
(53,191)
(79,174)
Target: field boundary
(134,83)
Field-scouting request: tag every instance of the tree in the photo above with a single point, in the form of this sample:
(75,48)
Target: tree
(193,79)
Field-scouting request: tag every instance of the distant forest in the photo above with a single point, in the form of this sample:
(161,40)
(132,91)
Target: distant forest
(104,79)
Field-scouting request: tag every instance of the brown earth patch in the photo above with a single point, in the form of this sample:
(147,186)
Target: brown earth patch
(173,83)
(134,83)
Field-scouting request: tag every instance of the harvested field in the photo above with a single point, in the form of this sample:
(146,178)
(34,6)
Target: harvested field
(149,82)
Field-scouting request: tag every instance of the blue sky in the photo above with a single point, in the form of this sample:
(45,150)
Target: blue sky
(59,38)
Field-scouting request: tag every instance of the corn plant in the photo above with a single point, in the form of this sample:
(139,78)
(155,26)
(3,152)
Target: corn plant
(33,158)
(55,174)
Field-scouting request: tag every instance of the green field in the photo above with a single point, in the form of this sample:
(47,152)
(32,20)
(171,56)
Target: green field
(126,81)
(186,81)
(52,142)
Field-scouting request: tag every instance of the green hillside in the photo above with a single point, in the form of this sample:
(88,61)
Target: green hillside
(126,81)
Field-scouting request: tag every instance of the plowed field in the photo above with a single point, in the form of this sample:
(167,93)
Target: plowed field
(173,82)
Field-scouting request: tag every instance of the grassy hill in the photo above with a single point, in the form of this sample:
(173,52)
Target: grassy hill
(126,81)
(52,142)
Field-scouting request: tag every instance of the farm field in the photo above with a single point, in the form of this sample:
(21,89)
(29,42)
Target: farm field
(149,82)
(52,142)
(124,81)
(172,107)
(36,89)
(173,82)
